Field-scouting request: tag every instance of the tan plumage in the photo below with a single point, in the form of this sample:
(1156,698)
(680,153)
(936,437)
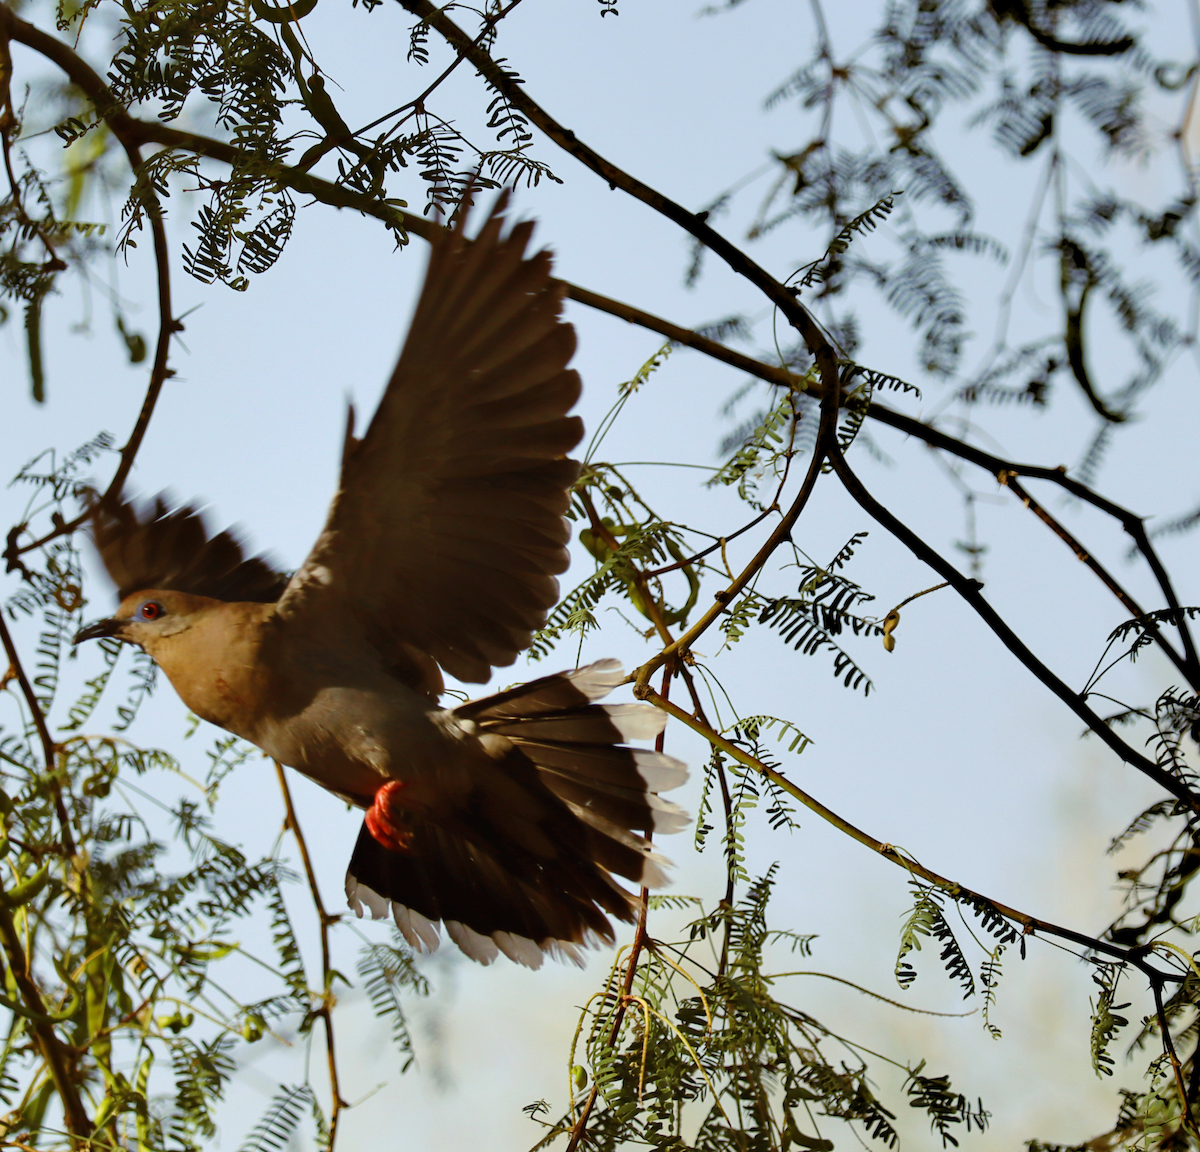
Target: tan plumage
(504,818)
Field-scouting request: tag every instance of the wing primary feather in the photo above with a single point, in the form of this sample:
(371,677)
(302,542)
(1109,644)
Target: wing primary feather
(155,546)
(473,425)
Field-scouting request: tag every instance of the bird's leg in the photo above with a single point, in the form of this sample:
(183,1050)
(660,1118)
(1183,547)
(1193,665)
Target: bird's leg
(385,819)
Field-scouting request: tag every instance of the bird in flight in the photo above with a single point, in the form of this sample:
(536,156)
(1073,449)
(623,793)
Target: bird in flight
(506,818)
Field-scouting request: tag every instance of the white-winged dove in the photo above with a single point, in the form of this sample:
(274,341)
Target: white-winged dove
(504,818)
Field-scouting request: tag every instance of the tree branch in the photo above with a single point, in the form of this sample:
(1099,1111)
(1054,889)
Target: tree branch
(54,1051)
(1132,956)
(327,921)
(49,749)
(127,131)
(970,591)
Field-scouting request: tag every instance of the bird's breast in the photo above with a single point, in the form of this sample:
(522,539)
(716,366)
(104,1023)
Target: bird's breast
(351,739)
(322,705)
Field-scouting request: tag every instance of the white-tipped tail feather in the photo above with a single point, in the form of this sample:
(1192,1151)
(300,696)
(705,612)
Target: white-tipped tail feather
(529,873)
(422,936)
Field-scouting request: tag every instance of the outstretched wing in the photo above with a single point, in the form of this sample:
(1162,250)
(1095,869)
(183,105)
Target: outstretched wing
(160,547)
(447,529)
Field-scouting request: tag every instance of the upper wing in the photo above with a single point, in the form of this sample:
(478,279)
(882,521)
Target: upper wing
(155,547)
(447,529)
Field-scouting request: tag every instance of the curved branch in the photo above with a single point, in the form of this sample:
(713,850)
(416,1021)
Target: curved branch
(1133,956)
(510,87)
(55,1052)
(130,136)
(781,532)
(969,590)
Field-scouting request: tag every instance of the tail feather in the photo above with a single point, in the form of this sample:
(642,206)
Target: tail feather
(563,691)
(633,769)
(478,894)
(525,866)
(624,807)
(621,852)
(592,724)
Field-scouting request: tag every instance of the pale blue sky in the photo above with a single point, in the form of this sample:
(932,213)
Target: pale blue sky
(960,757)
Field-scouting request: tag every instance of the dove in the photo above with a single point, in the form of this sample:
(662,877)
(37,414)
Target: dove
(507,821)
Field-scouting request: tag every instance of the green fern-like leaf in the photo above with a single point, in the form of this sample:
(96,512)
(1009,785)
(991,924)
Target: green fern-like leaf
(388,971)
(279,1123)
(927,919)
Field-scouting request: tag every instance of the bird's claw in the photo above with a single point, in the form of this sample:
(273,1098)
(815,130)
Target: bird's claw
(385,821)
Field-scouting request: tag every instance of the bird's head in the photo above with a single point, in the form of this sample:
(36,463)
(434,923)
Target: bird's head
(147,617)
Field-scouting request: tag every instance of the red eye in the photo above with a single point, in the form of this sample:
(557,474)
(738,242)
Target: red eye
(151,610)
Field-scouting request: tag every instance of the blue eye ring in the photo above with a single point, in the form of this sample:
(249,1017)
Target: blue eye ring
(151,610)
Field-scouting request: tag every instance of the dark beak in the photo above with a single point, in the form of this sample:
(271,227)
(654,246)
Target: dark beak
(98,630)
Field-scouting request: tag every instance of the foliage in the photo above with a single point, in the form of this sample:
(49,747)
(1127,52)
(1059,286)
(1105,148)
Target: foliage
(120,914)
(122,909)
(699,1052)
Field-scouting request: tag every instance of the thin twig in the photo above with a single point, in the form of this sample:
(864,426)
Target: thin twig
(1105,577)
(1131,522)
(653,610)
(49,750)
(827,432)
(727,808)
(327,921)
(772,374)
(1185,1117)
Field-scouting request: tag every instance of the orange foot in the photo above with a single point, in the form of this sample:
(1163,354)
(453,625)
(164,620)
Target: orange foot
(385,819)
